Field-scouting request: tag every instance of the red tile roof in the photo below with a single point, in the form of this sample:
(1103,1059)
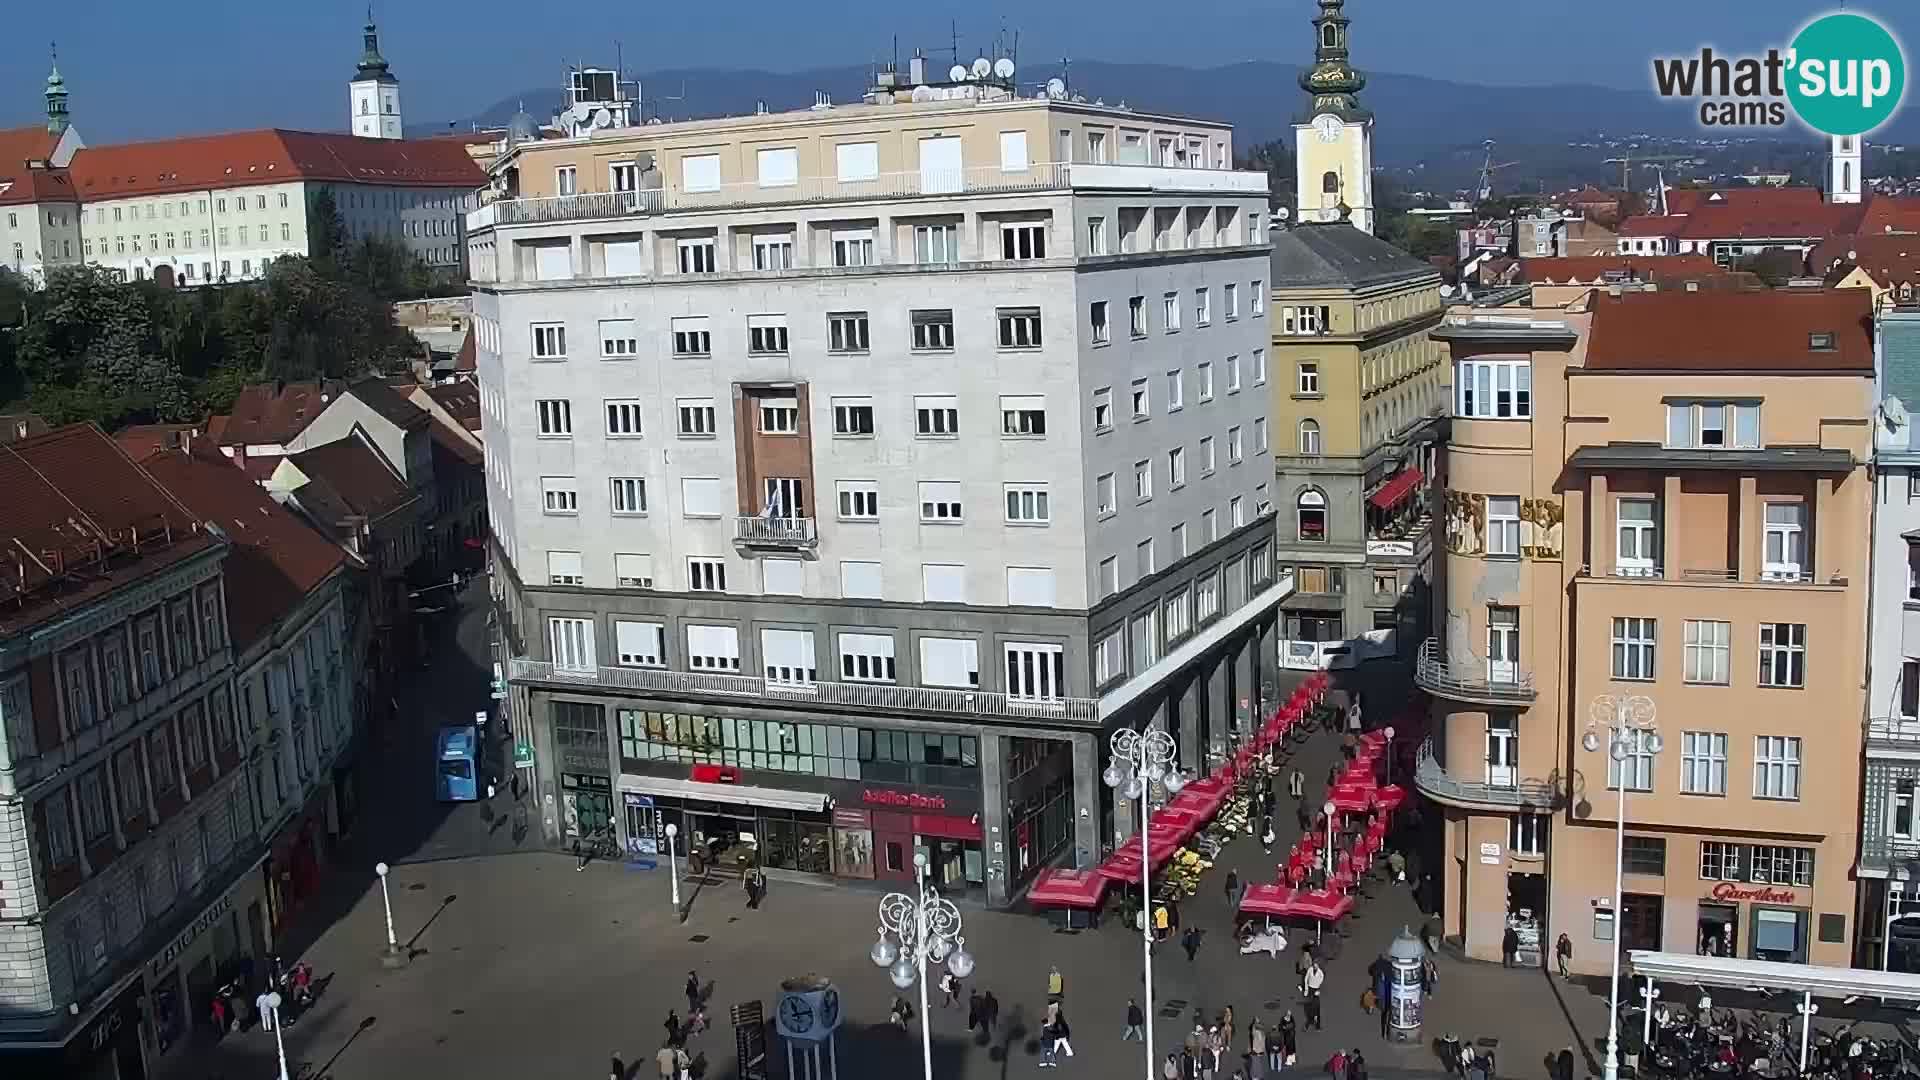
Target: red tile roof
(449,443)
(275,559)
(238,158)
(1769,330)
(142,440)
(1772,200)
(352,470)
(460,400)
(267,413)
(20,185)
(1653,225)
(1766,223)
(23,144)
(1886,214)
(78,519)
(1590,269)
(1889,258)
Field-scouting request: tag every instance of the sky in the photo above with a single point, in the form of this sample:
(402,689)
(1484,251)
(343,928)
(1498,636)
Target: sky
(142,70)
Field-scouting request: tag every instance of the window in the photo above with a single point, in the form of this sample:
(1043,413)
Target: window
(78,676)
(773,251)
(92,796)
(859,500)
(1170,312)
(1019,328)
(1025,240)
(867,658)
(940,501)
(1206,381)
(1703,762)
(1027,504)
(572,643)
(1179,534)
(1103,409)
(556,417)
(932,330)
(549,341)
(1142,481)
(1137,316)
(1909,689)
(1202,307)
(1030,586)
(1104,498)
(558,495)
(852,247)
(1259,367)
(713,648)
(696,254)
(936,416)
(936,244)
(1783,654)
(860,580)
(1527,834)
(950,662)
(61,845)
(1713,425)
(1636,766)
(1013,151)
(1633,641)
(853,416)
(629,494)
(1097,314)
(1503,525)
(565,568)
(623,417)
(1235,450)
(1644,855)
(1311,510)
(618,339)
(1023,415)
(1260,435)
(1142,398)
(1109,575)
(1035,672)
(1177,467)
(943,583)
(779,414)
(847,332)
(1097,236)
(706,574)
(1495,389)
(701,497)
(855,162)
(633,571)
(778,166)
(1176,391)
(1309,438)
(1237,510)
(1144,564)
(1900,809)
(1110,658)
(767,334)
(1708,651)
(1233,374)
(1776,767)
(1637,553)
(1177,615)
(696,416)
(1785,540)
(1312,319)
(640,644)
(1503,751)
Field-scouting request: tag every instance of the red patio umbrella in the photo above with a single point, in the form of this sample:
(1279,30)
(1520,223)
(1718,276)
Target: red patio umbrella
(1267,900)
(1348,799)
(1325,905)
(1067,888)
(1390,797)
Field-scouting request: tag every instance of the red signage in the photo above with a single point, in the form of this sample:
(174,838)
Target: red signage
(911,800)
(1727,890)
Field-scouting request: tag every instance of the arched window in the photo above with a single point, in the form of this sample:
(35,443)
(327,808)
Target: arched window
(1311,513)
(1309,438)
(1330,183)
(1330,35)
(1846,176)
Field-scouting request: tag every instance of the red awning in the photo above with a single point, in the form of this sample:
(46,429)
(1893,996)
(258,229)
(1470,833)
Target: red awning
(1067,888)
(1393,491)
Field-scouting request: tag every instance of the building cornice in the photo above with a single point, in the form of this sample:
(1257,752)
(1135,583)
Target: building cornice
(115,607)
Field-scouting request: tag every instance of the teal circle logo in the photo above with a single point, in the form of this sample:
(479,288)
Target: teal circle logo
(1847,74)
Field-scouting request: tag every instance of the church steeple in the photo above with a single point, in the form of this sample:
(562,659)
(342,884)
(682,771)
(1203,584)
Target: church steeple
(373,95)
(57,120)
(1332,80)
(373,66)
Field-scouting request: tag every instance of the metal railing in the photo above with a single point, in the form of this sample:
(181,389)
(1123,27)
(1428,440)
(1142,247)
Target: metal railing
(582,207)
(846,695)
(1432,779)
(775,532)
(1882,852)
(1701,574)
(1432,673)
(1893,729)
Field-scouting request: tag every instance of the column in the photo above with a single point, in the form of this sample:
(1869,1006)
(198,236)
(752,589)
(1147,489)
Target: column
(1749,515)
(1822,564)
(1219,709)
(1192,691)
(1600,538)
(1246,689)
(1267,644)
(993,814)
(1669,534)
(1086,799)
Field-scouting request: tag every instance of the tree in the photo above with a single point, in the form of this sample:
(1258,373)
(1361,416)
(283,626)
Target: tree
(326,233)
(1775,266)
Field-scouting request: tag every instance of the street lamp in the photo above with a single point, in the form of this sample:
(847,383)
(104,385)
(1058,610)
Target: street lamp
(273,1007)
(1628,720)
(1140,758)
(1389,734)
(923,927)
(673,863)
(392,957)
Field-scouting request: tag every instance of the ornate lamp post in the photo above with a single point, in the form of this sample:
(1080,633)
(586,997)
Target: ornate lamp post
(922,927)
(1628,722)
(1140,759)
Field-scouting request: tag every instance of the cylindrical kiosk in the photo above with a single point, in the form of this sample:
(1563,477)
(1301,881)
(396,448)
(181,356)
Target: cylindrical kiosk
(1407,957)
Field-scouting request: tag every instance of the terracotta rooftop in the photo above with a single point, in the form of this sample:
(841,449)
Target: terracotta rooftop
(1653,225)
(1593,269)
(468,357)
(267,413)
(273,155)
(20,185)
(1886,214)
(23,144)
(1889,258)
(355,473)
(274,560)
(21,425)
(389,404)
(1812,330)
(78,519)
(460,400)
(1754,199)
(1816,222)
(141,440)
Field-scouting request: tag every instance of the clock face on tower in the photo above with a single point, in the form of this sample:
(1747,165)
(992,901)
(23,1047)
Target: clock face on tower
(797,1013)
(830,1009)
(1328,127)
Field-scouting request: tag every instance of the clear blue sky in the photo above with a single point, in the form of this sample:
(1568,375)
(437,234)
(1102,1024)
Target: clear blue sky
(140,69)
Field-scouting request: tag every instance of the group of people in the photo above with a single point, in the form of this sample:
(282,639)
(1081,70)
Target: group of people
(672,1059)
(1209,1048)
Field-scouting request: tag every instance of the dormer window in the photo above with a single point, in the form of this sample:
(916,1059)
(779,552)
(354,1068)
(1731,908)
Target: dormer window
(1820,341)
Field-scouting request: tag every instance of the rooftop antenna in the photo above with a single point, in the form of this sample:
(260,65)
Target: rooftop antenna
(953,35)
(1066,72)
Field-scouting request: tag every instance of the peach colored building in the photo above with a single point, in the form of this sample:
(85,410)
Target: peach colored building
(1662,494)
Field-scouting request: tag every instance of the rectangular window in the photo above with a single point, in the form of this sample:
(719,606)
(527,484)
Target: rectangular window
(549,341)
(1097,315)
(867,658)
(556,417)
(633,571)
(1637,552)
(1137,316)
(623,418)
(936,244)
(1019,327)
(1527,834)
(1142,481)
(783,577)
(558,495)
(1776,767)
(1023,415)
(1030,586)
(1104,499)
(1909,689)
(852,247)
(1636,766)
(950,662)
(1494,389)
(786,657)
(1206,455)
(706,574)
(1177,467)
(640,644)
(1142,399)
(696,255)
(1202,307)
(940,502)
(779,414)
(1703,762)
(565,568)
(1013,151)
(1260,443)
(1709,645)
(1097,236)
(1024,240)
(92,795)
(1785,540)
(1633,645)
(1035,672)
(1144,564)
(62,847)
(853,416)
(1027,504)
(932,330)
(1170,312)
(619,340)
(1103,409)
(1713,425)
(697,416)
(1503,525)
(572,643)
(847,332)
(1783,654)
(860,581)
(1644,855)
(629,494)
(713,648)
(779,166)
(936,416)
(1900,800)
(767,334)
(859,500)
(943,583)
(1235,450)
(701,497)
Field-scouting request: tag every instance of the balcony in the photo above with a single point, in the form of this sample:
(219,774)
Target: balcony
(777,533)
(1705,575)
(1407,539)
(1460,682)
(1893,733)
(1432,779)
(1889,856)
(837,695)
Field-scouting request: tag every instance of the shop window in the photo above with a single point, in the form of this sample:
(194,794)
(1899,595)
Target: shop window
(1646,855)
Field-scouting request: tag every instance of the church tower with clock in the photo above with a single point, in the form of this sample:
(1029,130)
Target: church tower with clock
(1333,143)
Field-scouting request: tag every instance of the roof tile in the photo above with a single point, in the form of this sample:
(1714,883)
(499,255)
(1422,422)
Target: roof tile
(273,155)
(1728,331)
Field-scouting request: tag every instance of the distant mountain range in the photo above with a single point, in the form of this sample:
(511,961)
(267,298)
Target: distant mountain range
(1416,116)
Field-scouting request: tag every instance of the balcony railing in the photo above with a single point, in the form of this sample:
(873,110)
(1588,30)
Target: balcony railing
(1884,853)
(1432,779)
(878,696)
(1432,673)
(1896,731)
(584,207)
(1701,574)
(778,532)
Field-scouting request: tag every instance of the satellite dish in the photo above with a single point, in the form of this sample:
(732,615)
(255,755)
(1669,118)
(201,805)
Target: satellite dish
(1282,213)
(1056,88)
(581,112)
(602,118)
(982,68)
(923,93)
(957,72)
(1003,67)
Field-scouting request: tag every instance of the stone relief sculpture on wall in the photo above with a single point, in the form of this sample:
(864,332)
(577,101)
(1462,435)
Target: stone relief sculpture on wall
(1466,515)
(1540,521)
(1466,522)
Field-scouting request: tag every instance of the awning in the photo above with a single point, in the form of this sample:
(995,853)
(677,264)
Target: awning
(774,798)
(1397,489)
(1067,888)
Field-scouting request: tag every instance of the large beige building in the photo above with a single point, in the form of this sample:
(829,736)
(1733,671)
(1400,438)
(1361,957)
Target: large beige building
(1669,503)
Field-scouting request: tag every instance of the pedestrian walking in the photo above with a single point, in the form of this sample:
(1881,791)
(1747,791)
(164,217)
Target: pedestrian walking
(1509,948)
(1062,1035)
(1337,1065)
(1190,941)
(1563,954)
(617,1070)
(1281,1054)
(693,991)
(989,1012)
(1303,816)
(1397,866)
(756,885)
(1297,784)
(1226,1028)
(1356,1066)
(1170,1069)
(950,986)
(1189,1065)
(673,1028)
(667,1062)
(1233,887)
(1056,986)
(1266,833)
(1256,1048)
(1382,986)
(1136,1022)
(973,1009)
(682,1064)
(1386,1020)
(1315,978)
(1210,1064)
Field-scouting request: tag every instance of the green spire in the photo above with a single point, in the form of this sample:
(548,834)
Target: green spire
(372,64)
(1332,80)
(56,97)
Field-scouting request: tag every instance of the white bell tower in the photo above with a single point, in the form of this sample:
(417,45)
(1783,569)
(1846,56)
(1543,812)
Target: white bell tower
(1844,161)
(373,96)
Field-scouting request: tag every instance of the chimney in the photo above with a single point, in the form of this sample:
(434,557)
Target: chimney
(917,69)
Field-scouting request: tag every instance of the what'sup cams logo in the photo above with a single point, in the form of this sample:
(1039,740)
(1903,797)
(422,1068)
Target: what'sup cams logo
(1844,74)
